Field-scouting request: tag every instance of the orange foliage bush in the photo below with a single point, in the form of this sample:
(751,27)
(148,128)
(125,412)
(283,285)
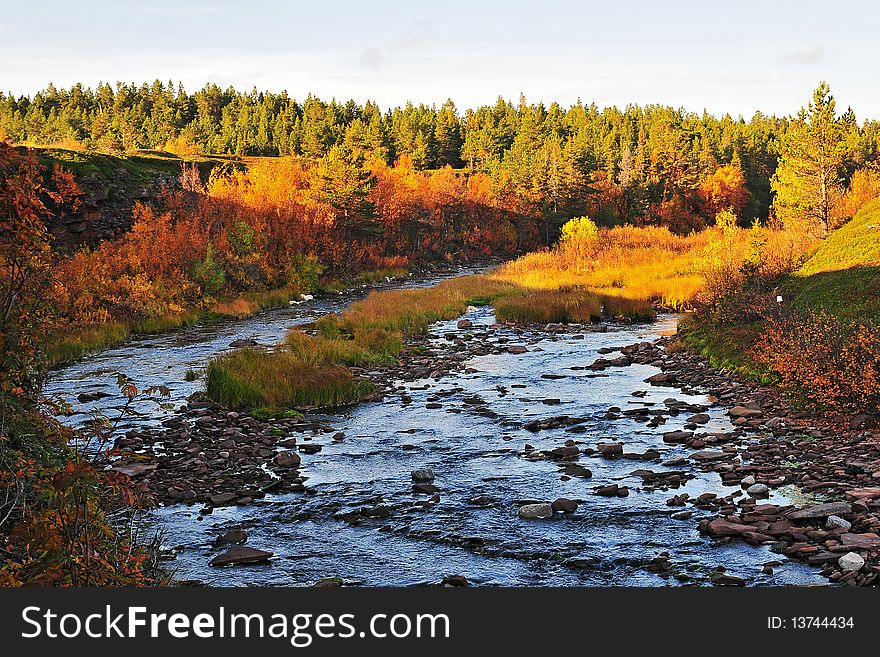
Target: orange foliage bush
(822,360)
(723,189)
(864,186)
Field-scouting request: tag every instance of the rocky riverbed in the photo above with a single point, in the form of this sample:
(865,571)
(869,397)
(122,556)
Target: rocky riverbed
(495,454)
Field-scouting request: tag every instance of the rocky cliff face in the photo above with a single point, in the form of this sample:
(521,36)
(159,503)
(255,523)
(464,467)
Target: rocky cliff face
(105,209)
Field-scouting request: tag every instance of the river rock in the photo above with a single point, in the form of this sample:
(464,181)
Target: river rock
(758,490)
(836,522)
(728,580)
(422,474)
(610,449)
(820,511)
(222,499)
(863,494)
(465,324)
(699,418)
(135,469)
(850,562)
(454,581)
(710,455)
(744,412)
(287,459)
(564,505)
(745,482)
(241,554)
(536,511)
(719,527)
(861,541)
(234,536)
(677,436)
(88,397)
(516,349)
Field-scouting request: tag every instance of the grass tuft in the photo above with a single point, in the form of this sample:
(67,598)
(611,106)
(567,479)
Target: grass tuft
(252,378)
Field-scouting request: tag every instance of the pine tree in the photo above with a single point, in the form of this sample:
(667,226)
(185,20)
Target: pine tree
(448,136)
(344,185)
(808,180)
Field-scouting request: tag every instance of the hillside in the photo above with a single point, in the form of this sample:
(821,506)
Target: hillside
(111,185)
(843,275)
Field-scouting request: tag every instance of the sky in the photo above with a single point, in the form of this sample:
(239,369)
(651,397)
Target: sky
(734,57)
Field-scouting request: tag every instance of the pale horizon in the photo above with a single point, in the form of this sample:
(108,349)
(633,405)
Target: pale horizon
(697,56)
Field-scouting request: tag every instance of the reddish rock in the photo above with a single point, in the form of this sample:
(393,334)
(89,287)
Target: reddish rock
(720,527)
(240,554)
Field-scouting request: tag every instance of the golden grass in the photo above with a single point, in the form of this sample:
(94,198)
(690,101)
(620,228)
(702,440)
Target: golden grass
(366,348)
(647,264)
(572,305)
(237,308)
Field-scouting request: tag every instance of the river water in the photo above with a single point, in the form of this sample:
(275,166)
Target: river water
(608,541)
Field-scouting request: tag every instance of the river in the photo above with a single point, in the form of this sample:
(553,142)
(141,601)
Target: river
(608,541)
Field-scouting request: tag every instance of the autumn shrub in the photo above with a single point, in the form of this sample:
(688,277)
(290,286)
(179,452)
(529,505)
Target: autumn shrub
(64,519)
(822,360)
(864,186)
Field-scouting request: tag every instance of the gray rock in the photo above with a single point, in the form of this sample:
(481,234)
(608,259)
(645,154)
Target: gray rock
(423,474)
(836,522)
(747,481)
(536,511)
(820,511)
(758,490)
(850,562)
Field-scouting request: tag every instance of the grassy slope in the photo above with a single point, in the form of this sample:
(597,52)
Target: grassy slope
(842,277)
(141,166)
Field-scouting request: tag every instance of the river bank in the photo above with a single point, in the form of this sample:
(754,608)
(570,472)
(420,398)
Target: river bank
(833,463)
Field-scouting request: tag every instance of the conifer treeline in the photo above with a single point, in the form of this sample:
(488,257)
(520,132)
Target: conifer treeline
(652,160)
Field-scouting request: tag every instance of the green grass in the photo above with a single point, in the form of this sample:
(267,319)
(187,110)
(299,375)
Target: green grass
(92,339)
(842,276)
(139,167)
(725,346)
(250,378)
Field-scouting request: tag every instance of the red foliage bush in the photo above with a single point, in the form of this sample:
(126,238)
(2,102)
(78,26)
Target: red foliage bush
(819,359)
